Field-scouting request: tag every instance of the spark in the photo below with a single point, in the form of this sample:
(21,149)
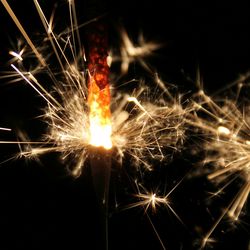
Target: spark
(131,52)
(5,129)
(148,129)
(143,133)
(143,126)
(30,83)
(151,201)
(144,129)
(223,130)
(17,55)
(26,36)
(227,131)
(84,109)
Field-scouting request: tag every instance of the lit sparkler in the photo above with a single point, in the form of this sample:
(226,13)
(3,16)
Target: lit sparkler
(138,124)
(82,116)
(90,119)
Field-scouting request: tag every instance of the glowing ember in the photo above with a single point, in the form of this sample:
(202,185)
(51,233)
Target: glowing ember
(99,93)
(99,115)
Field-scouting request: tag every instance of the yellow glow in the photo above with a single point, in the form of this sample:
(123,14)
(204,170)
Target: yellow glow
(223,130)
(100,133)
(100,129)
(17,55)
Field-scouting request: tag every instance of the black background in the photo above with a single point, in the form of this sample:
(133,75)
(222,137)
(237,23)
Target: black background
(41,207)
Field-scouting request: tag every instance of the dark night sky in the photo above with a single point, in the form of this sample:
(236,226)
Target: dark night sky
(41,207)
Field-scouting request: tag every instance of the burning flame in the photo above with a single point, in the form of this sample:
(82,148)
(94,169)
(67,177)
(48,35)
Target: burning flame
(99,115)
(98,84)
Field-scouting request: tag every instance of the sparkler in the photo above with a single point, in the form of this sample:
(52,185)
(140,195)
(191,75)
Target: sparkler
(91,121)
(138,124)
(84,122)
(100,128)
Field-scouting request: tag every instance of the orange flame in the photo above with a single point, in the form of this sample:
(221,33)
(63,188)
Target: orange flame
(99,115)
(98,88)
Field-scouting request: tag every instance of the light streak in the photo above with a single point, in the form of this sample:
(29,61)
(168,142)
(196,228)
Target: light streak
(84,109)
(17,55)
(20,27)
(151,200)
(227,131)
(140,127)
(134,52)
(5,129)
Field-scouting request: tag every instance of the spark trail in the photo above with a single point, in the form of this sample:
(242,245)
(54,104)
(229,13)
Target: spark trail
(5,129)
(226,134)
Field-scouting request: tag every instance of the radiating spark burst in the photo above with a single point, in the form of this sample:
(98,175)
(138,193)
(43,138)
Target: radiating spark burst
(227,148)
(143,127)
(144,130)
(148,130)
(146,125)
(134,52)
(150,200)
